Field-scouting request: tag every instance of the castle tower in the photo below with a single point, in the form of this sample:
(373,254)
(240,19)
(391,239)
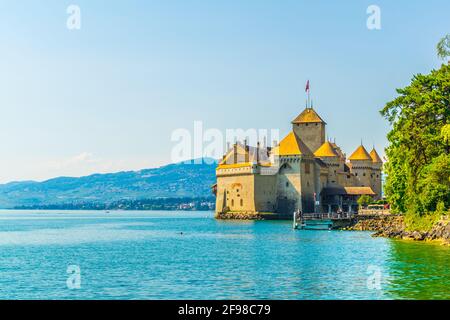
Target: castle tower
(361,166)
(377,164)
(296,180)
(310,127)
(330,157)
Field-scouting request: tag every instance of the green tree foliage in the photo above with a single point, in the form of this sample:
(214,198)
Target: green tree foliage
(364,200)
(443,47)
(418,167)
(445,133)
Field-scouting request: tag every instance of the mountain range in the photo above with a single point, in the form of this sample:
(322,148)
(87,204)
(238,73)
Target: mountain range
(182,180)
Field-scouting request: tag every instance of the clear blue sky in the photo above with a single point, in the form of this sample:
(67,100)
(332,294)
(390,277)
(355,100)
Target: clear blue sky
(107,97)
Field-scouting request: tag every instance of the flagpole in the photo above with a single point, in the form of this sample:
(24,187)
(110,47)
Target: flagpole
(309,100)
(309,89)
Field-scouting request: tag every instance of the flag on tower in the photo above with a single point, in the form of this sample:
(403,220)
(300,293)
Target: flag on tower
(307,86)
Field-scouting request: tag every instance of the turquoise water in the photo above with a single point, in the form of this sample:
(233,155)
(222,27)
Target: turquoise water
(143,255)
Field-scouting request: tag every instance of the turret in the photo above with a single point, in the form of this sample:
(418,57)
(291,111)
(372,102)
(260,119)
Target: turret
(361,166)
(330,157)
(377,165)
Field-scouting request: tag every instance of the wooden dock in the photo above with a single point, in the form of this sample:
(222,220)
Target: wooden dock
(322,221)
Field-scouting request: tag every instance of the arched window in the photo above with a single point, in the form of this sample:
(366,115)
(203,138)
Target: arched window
(242,202)
(232,202)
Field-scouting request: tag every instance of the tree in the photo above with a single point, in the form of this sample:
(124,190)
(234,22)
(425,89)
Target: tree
(443,47)
(418,166)
(364,200)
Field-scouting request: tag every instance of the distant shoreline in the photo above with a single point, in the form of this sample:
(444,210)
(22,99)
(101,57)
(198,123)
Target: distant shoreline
(101,210)
(161,204)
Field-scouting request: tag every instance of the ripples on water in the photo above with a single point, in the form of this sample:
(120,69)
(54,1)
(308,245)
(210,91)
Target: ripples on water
(143,255)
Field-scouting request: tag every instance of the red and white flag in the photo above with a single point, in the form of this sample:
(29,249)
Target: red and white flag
(307,86)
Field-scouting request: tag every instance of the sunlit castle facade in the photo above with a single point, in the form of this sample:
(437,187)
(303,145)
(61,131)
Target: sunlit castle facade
(303,172)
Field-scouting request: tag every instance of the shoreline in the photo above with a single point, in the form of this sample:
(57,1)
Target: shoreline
(383,225)
(394,227)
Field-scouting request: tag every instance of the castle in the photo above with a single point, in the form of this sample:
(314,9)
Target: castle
(303,172)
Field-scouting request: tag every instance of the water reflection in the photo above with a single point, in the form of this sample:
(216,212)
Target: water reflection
(419,271)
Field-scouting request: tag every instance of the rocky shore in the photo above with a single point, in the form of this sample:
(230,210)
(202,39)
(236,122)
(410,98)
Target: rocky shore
(239,216)
(393,226)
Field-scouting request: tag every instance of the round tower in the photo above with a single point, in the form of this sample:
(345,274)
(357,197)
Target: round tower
(361,166)
(377,165)
(330,157)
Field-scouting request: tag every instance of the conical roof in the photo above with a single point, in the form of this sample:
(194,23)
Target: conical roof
(375,157)
(309,115)
(326,150)
(291,145)
(360,154)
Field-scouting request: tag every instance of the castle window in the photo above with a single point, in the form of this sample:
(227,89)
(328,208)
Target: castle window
(232,202)
(287,184)
(306,124)
(364,174)
(242,202)
(356,174)
(237,190)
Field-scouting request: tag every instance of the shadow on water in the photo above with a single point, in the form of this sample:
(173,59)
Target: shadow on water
(419,271)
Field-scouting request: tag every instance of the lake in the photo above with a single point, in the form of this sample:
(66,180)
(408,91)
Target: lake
(190,255)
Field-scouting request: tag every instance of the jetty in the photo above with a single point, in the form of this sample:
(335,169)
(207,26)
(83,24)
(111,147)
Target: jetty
(322,221)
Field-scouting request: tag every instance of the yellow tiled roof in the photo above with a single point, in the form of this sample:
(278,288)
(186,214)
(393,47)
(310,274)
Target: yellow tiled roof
(375,157)
(326,150)
(291,145)
(360,154)
(308,116)
(359,190)
(234,165)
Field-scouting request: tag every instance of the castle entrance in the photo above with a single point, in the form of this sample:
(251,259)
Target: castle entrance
(285,206)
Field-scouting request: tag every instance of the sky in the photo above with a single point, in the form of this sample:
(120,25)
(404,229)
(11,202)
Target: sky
(108,96)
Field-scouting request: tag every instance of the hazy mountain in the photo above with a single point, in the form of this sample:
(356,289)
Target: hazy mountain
(170,181)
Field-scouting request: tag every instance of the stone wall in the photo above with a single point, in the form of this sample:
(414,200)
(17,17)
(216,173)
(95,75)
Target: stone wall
(235,193)
(312,134)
